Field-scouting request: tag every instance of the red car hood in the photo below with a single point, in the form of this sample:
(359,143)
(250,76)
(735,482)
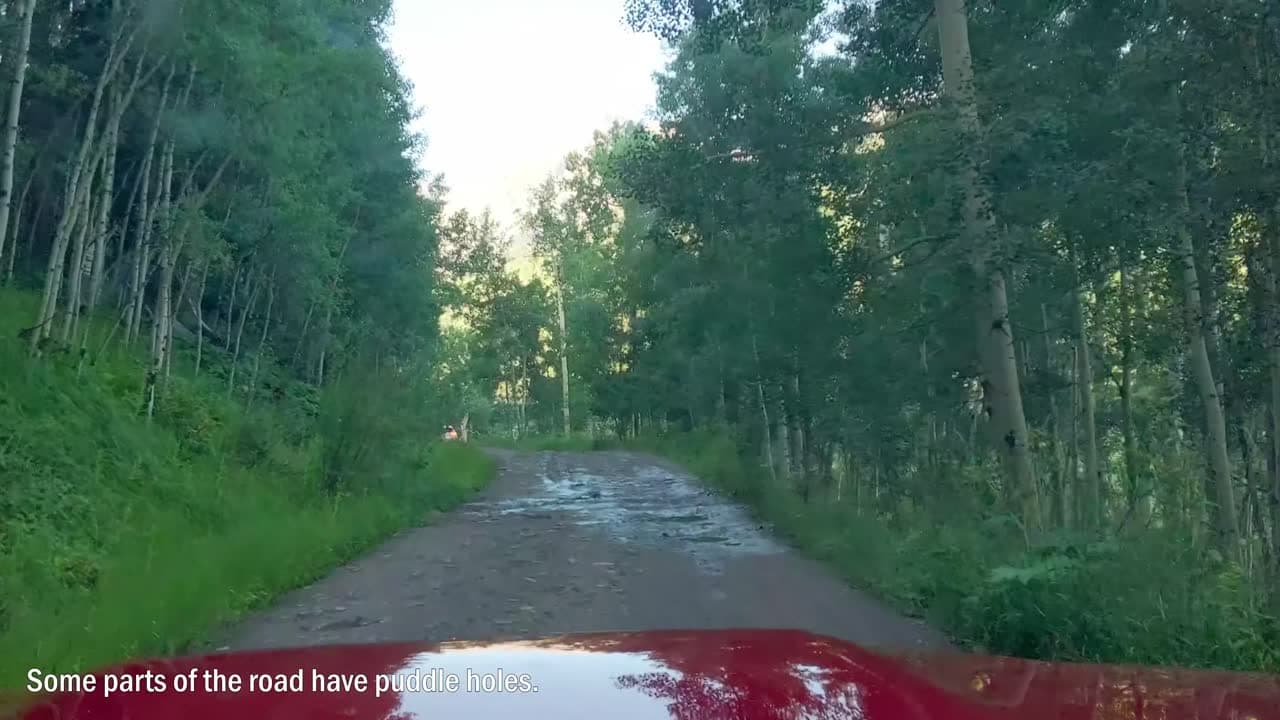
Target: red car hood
(703,675)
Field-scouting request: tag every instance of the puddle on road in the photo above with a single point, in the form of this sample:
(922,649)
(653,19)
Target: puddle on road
(645,505)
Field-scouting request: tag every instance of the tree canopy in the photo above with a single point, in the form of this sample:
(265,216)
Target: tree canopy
(941,258)
(1003,271)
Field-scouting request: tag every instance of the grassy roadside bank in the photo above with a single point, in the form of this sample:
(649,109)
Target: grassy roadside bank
(178,571)
(1146,599)
(122,537)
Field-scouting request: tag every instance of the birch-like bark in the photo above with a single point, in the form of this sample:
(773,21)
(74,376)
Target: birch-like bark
(721,406)
(1255,492)
(77,184)
(31,234)
(326,336)
(162,319)
(171,248)
(262,339)
(781,435)
(183,286)
(1140,501)
(119,101)
(795,427)
(12,255)
(1226,529)
(54,282)
(158,236)
(1272,317)
(764,413)
(564,354)
(160,327)
(523,374)
(144,218)
(1092,506)
(324,345)
(302,336)
(121,231)
(104,212)
(1072,507)
(692,394)
(1271,314)
(996,341)
(932,452)
(1273,428)
(231,305)
(153,235)
(128,254)
(198,308)
(16,85)
(255,287)
(75,274)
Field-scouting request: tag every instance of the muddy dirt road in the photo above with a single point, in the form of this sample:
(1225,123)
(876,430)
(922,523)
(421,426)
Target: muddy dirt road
(569,542)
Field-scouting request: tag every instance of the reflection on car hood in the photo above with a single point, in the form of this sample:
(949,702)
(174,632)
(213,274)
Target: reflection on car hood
(689,675)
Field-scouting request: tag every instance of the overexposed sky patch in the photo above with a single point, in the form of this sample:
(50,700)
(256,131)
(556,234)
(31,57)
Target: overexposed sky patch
(507,88)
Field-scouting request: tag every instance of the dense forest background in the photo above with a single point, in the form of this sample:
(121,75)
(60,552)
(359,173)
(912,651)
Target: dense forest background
(219,316)
(975,301)
(979,303)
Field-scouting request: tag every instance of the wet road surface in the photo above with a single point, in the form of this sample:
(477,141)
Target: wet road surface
(577,542)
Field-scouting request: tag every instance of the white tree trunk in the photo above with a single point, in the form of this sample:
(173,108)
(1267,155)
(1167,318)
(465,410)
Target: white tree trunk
(101,224)
(12,256)
(781,437)
(262,340)
(231,307)
(324,346)
(523,396)
(1003,392)
(1227,534)
(255,287)
(77,182)
(1092,506)
(564,356)
(183,287)
(1224,512)
(198,308)
(764,413)
(75,274)
(796,435)
(19,60)
(160,328)
(142,258)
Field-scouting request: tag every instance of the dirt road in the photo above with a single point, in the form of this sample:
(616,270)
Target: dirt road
(569,542)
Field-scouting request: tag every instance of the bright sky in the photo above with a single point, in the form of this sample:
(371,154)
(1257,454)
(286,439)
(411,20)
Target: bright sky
(507,88)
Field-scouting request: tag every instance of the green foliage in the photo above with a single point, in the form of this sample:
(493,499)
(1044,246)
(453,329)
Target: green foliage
(201,420)
(372,430)
(122,537)
(176,576)
(1147,600)
(791,258)
(1130,603)
(271,149)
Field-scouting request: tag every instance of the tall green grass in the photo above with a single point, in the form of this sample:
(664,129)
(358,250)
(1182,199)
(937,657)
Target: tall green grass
(122,537)
(1147,598)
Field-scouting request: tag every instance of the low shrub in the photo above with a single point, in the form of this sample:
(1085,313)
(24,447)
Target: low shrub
(1149,599)
(122,536)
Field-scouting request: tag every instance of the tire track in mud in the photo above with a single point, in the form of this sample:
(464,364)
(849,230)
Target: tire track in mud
(577,542)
